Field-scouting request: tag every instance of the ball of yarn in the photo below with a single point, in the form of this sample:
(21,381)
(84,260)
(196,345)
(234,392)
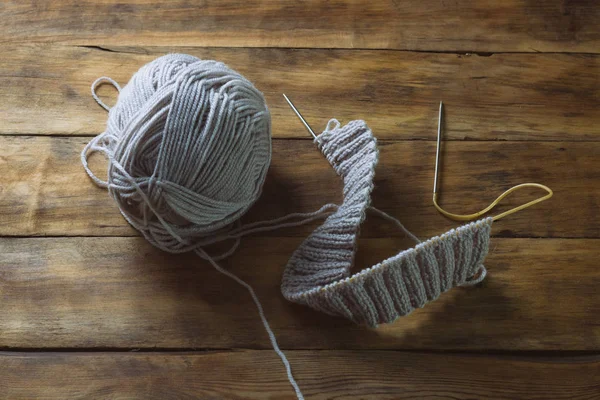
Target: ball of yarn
(189,145)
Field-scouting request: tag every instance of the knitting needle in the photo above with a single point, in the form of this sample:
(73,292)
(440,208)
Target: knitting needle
(300,116)
(437,152)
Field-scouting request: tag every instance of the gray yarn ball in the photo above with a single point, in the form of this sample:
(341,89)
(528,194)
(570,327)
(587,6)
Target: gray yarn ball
(189,144)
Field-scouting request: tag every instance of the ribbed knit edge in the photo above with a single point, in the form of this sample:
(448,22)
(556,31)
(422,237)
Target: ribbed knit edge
(409,280)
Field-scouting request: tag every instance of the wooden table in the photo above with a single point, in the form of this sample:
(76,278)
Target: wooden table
(88,309)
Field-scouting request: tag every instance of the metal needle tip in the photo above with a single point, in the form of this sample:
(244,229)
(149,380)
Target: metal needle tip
(300,116)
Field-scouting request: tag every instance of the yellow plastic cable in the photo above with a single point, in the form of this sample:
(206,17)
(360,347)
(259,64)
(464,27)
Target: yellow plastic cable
(469,217)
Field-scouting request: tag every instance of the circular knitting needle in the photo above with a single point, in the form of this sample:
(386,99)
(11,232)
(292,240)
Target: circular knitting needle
(300,116)
(468,217)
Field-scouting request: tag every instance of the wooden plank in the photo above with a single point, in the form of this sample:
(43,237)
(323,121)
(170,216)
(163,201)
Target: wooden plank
(516,25)
(122,293)
(321,375)
(46,192)
(502,97)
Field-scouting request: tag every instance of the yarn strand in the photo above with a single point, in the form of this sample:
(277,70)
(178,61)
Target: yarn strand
(399,224)
(278,223)
(263,318)
(98,82)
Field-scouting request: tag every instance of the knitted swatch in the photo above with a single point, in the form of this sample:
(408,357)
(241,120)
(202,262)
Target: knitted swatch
(318,273)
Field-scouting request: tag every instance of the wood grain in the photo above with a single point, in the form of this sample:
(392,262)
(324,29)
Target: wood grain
(321,375)
(123,293)
(489,26)
(502,97)
(45,191)
(88,309)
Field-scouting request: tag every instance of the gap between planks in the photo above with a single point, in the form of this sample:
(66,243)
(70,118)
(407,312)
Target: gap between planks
(524,97)
(321,375)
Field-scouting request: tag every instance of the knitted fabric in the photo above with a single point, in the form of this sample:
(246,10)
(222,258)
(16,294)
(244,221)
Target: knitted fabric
(318,273)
